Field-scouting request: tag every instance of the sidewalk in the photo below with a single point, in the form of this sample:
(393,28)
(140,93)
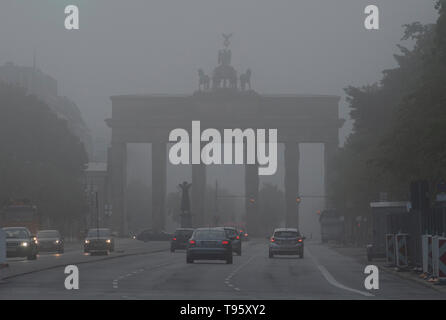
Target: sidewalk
(359,254)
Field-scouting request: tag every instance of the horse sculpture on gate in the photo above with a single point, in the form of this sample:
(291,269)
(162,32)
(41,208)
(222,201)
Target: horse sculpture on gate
(224,76)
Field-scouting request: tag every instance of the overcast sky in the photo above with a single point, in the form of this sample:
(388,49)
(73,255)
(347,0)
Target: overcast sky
(156,46)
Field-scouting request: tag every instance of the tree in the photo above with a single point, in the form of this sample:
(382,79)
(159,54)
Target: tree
(399,123)
(40,159)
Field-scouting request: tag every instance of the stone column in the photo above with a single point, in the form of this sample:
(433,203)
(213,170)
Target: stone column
(118,170)
(159,171)
(251,197)
(291,184)
(198,193)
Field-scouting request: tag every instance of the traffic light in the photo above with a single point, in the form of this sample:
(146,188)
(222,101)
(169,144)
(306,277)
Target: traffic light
(252,200)
(298,199)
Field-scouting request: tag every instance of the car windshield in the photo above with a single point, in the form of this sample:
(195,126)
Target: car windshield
(209,235)
(48,234)
(286,234)
(102,232)
(16,233)
(184,233)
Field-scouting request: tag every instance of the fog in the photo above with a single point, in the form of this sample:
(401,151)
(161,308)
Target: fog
(156,46)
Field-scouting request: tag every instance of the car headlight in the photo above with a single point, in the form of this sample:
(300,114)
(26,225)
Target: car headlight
(87,241)
(56,242)
(108,241)
(24,244)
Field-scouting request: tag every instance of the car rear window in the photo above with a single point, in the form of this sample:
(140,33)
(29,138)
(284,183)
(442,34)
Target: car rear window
(209,235)
(184,233)
(286,234)
(231,232)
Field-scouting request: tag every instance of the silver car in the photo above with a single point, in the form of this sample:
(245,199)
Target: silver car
(286,241)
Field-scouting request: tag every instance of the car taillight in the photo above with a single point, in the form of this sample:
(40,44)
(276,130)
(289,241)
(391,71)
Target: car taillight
(272,240)
(225,242)
(238,237)
(300,240)
(174,239)
(246,234)
(192,242)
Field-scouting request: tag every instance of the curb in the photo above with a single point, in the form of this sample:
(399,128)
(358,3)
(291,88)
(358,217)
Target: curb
(82,262)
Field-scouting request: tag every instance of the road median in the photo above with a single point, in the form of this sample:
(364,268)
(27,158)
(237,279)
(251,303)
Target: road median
(124,248)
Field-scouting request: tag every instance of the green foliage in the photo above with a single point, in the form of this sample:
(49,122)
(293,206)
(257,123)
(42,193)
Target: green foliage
(39,158)
(399,132)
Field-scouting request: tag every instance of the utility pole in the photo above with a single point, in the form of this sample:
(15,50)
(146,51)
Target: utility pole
(97,212)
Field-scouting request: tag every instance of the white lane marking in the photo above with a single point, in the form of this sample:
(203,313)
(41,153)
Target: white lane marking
(232,274)
(330,279)
(115,282)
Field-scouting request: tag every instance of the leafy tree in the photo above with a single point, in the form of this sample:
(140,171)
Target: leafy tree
(399,124)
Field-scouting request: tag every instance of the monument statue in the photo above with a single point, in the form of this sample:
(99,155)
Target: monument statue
(224,75)
(186,217)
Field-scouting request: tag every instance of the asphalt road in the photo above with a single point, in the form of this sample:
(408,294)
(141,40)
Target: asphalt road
(160,274)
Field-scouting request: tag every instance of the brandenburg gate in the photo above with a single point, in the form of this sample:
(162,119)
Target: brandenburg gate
(223,101)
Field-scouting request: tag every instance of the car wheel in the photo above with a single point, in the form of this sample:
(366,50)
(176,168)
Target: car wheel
(301,255)
(229,260)
(172,250)
(189,260)
(271,255)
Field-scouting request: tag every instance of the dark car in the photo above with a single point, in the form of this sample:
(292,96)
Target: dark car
(20,243)
(180,238)
(236,241)
(50,241)
(209,244)
(99,240)
(286,241)
(151,235)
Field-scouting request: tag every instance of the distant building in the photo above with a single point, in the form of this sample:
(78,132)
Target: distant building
(45,87)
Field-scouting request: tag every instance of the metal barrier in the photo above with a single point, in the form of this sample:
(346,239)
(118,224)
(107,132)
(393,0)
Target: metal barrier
(429,254)
(402,255)
(3,263)
(390,249)
(442,259)
(435,257)
(425,253)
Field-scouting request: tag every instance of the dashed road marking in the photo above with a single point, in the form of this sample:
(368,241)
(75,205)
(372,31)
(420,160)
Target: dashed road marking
(233,273)
(115,282)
